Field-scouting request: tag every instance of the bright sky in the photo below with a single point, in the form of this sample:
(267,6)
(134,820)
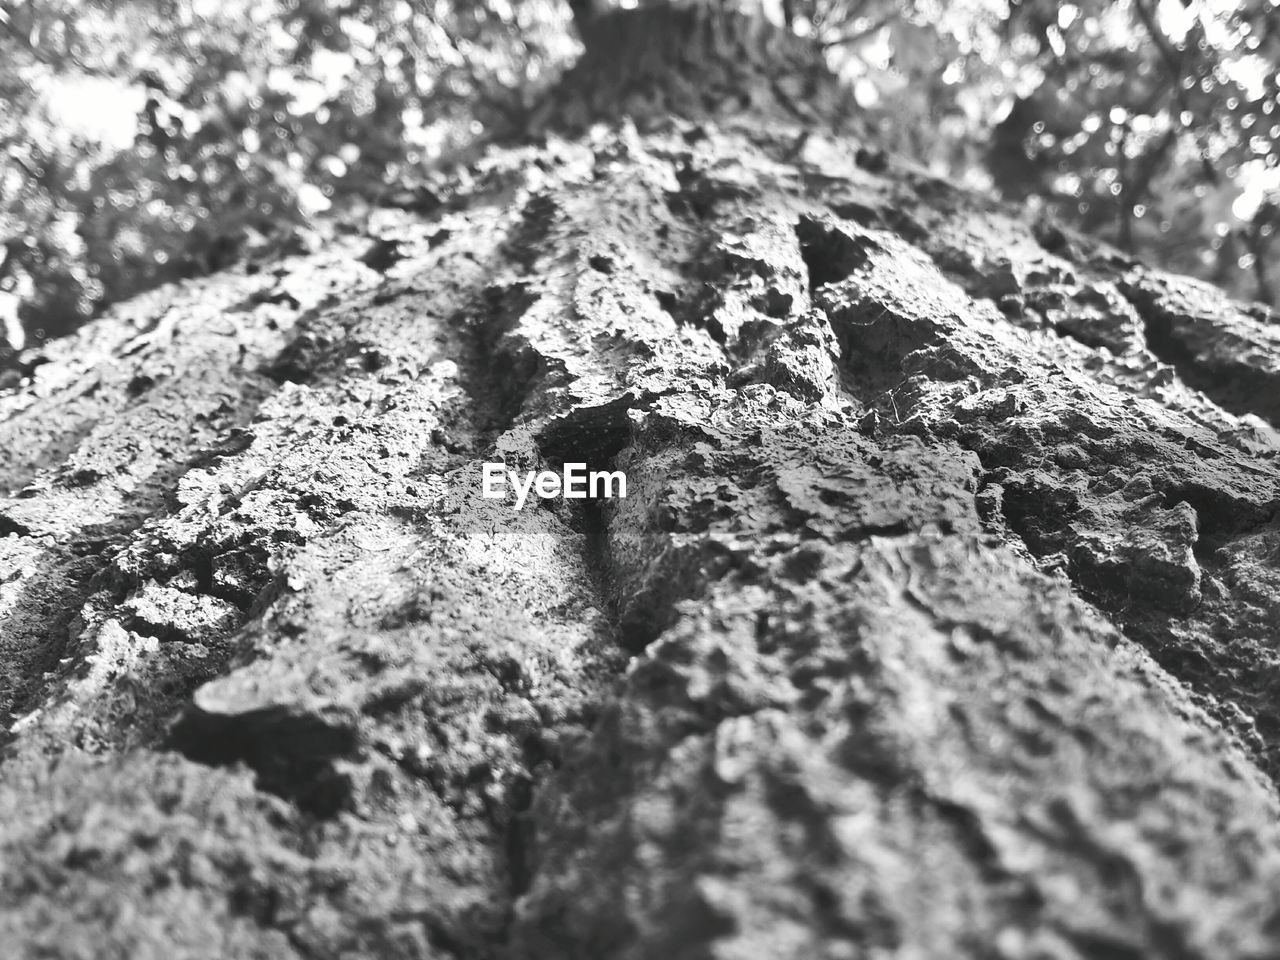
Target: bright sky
(97,109)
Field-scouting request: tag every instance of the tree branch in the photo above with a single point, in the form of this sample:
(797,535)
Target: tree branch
(584,11)
(1135,189)
(11,30)
(1257,243)
(857,35)
(1175,60)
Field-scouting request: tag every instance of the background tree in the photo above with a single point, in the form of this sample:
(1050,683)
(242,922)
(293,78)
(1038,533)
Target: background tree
(147,140)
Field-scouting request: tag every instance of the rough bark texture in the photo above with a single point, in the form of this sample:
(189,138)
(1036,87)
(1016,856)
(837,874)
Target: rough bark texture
(939,621)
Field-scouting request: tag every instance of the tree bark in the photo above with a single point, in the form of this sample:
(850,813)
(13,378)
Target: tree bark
(939,619)
(701,59)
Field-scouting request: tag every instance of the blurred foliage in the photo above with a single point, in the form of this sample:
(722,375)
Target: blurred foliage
(145,140)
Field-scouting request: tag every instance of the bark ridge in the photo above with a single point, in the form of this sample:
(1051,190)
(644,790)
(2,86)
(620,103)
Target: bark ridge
(939,619)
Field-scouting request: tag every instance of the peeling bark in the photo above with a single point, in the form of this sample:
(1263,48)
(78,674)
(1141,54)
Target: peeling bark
(939,619)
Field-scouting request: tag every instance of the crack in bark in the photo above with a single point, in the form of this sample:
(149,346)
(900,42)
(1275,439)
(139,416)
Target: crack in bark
(1234,383)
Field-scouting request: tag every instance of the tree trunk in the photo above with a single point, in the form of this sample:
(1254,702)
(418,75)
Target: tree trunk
(939,619)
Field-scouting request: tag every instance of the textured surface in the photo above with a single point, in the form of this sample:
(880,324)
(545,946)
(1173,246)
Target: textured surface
(940,619)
